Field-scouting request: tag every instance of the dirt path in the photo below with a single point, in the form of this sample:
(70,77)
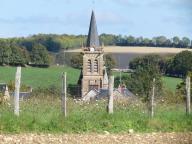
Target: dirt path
(149,138)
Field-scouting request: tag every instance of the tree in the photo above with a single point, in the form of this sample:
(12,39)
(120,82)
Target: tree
(108,39)
(4,52)
(182,63)
(148,59)
(161,41)
(176,41)
(146,42)
(141,80)
(77,60)
(191,44)
(186,42)
(109,63)
(130,40)
(139,41)
(39,55)
(18,56)
(124,80)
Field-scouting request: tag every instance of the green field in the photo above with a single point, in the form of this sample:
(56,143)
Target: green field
(45,77)
(40,77)
(171,82)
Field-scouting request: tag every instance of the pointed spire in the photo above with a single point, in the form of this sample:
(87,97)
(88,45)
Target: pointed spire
(93,39)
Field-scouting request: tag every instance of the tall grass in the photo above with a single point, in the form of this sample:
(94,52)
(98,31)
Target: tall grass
(43,114)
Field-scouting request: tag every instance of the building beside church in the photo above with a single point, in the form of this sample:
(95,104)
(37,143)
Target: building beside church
(93,76)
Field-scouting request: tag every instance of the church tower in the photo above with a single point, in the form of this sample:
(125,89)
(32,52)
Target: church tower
(94,75)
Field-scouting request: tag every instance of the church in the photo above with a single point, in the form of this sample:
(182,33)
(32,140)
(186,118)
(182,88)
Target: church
(93,76)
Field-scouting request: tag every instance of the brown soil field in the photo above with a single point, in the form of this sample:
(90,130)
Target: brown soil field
(121,49)
(146,138)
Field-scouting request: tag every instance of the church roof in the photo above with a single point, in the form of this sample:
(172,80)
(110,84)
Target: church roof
(93,38)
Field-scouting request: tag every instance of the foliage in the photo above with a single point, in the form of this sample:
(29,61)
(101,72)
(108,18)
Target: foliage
(77,61)
(179,65)
(39,55)
(1,98)
(141,81)
(108,39)
(18,56)
(182,63)
(23,87)
(159,41)
(124,80)
(21,51)
(4,52)
(109,63)
(181,87)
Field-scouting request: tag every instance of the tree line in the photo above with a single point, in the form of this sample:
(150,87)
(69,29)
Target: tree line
(160,41)
(13,54)
(37,49)
(152,66)
(177,66)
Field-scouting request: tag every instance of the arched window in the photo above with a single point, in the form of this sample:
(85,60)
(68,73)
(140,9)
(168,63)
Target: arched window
(95,65)
(89,65)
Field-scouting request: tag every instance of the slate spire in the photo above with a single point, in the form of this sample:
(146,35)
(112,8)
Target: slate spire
(93,39)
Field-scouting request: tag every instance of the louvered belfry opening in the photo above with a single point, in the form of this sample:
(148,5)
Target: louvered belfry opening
(89,66)
(95,65)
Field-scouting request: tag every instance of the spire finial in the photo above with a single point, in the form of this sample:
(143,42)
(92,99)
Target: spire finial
(93,4)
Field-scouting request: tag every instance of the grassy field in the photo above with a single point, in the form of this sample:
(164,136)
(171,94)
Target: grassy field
(171,82)
(45,77)
(168,82)
(44,115)
(40,77)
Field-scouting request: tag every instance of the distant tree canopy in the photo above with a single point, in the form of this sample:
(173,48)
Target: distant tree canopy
(11,53)
(39,55)
(23,50)
(77,60)
(178,65)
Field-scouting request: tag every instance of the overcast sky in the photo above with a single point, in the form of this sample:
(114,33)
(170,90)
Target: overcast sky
(145,18)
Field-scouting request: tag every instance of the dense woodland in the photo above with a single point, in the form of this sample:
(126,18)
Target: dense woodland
(36,50)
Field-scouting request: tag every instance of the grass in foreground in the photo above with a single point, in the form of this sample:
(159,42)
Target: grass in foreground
(44,115)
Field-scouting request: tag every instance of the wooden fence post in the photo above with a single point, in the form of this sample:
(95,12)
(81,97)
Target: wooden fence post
(110,100)
(152,98)
(17,88)
(188,99)
(64,93)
